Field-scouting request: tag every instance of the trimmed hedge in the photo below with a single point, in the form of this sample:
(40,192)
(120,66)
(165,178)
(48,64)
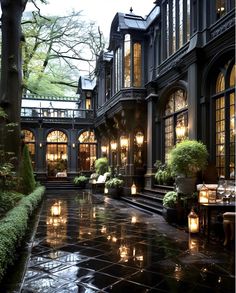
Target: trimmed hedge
(14,225)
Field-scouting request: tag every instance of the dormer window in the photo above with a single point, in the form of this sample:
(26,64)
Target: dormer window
(132,63)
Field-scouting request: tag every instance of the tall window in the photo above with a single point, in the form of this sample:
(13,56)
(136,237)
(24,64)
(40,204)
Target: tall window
(118,70)
(132,63)
(57,154)
(127,61)
(175,119)
(177,24)
(87,150)
(224,99)
(29,140)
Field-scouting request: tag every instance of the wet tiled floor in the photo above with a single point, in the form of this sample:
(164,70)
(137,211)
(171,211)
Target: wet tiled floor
(86,243)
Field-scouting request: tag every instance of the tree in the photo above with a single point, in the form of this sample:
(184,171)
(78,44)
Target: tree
(10,85)
(26,172)
(55,50)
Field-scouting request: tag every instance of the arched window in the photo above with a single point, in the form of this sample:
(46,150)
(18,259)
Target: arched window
(118,70)
(224,101)
(175,120)
(29,139)
(87,150)
(57,154)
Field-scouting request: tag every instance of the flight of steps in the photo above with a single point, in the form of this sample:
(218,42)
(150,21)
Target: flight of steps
(59,185)
(149,199)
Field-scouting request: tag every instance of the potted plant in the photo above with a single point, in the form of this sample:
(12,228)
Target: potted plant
(114,186)
(170,201)
(163,175)
(186,159)
(101,165)
(81,181)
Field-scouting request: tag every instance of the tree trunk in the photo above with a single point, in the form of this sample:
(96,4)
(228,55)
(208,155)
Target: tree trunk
(11,78)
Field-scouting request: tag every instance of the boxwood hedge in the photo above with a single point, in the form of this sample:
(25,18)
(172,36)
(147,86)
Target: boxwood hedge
(13,227)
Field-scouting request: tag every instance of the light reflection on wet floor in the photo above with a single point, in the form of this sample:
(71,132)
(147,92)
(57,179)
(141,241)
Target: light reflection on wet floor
(88,243)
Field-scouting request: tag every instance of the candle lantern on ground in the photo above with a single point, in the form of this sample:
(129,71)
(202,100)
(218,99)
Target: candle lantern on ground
(193,222)
(133,189)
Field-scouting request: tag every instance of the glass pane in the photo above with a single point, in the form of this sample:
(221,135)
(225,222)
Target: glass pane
(28,136)
(232,136)
(56,136)
(127,61)
(137,64)
(220,83)
(188,20)
(173,27)
(167,31)
(220,8)
(169,136)
(232,77)
(87,136)
(87,156)
(170,106)
(180,100)
(57,159)
(181,23)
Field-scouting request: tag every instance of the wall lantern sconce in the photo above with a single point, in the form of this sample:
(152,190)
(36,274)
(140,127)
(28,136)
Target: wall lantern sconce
(40,145)
(180,130)
(104,149)
(124,142)
(139,138)
(56,209)
(113,145)
(193,222)
(203,196)
(133,189)
(73,145)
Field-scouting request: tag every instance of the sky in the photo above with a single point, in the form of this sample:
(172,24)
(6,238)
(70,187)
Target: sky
(100,11)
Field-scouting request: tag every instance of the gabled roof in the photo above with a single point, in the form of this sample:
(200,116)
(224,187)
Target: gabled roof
(86,83)
(123,21)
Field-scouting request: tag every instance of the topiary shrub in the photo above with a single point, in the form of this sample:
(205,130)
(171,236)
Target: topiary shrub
(13,227)
(26,172)
(187,158)
(101,165)
(170,199)
(81,180)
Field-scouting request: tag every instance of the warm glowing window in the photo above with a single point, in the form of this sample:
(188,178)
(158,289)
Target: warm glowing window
(118,71)
(220,83)
(220,8)
(225,122)
(176,118)
(29,139)
(127,61)
(87,150)
(137,64)
(88,104)
(57,136)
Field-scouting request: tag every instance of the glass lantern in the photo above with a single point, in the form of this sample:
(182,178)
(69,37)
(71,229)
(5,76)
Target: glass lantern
(193,222)
(203,194)
(133,189)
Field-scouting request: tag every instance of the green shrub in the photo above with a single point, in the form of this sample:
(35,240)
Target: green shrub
(170,199)
(114,183)
(26,172)
(80,180)
(13,227)
(163,174)
(101,165)
(8,200)
(187,158)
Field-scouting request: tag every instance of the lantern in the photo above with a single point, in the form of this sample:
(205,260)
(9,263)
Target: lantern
(203,194)
(105,190)
(56,209)
(193,222)
(180,130)
(113,145)
(124,142)
(139,138)
(104,149)
(133,189)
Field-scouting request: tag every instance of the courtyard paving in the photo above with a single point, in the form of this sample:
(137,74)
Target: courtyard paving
(91,243)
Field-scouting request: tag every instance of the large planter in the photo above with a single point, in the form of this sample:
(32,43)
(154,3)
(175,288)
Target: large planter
(186,185)
(170,215)
(115,192)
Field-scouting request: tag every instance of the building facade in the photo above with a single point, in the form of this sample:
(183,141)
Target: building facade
(164,78)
